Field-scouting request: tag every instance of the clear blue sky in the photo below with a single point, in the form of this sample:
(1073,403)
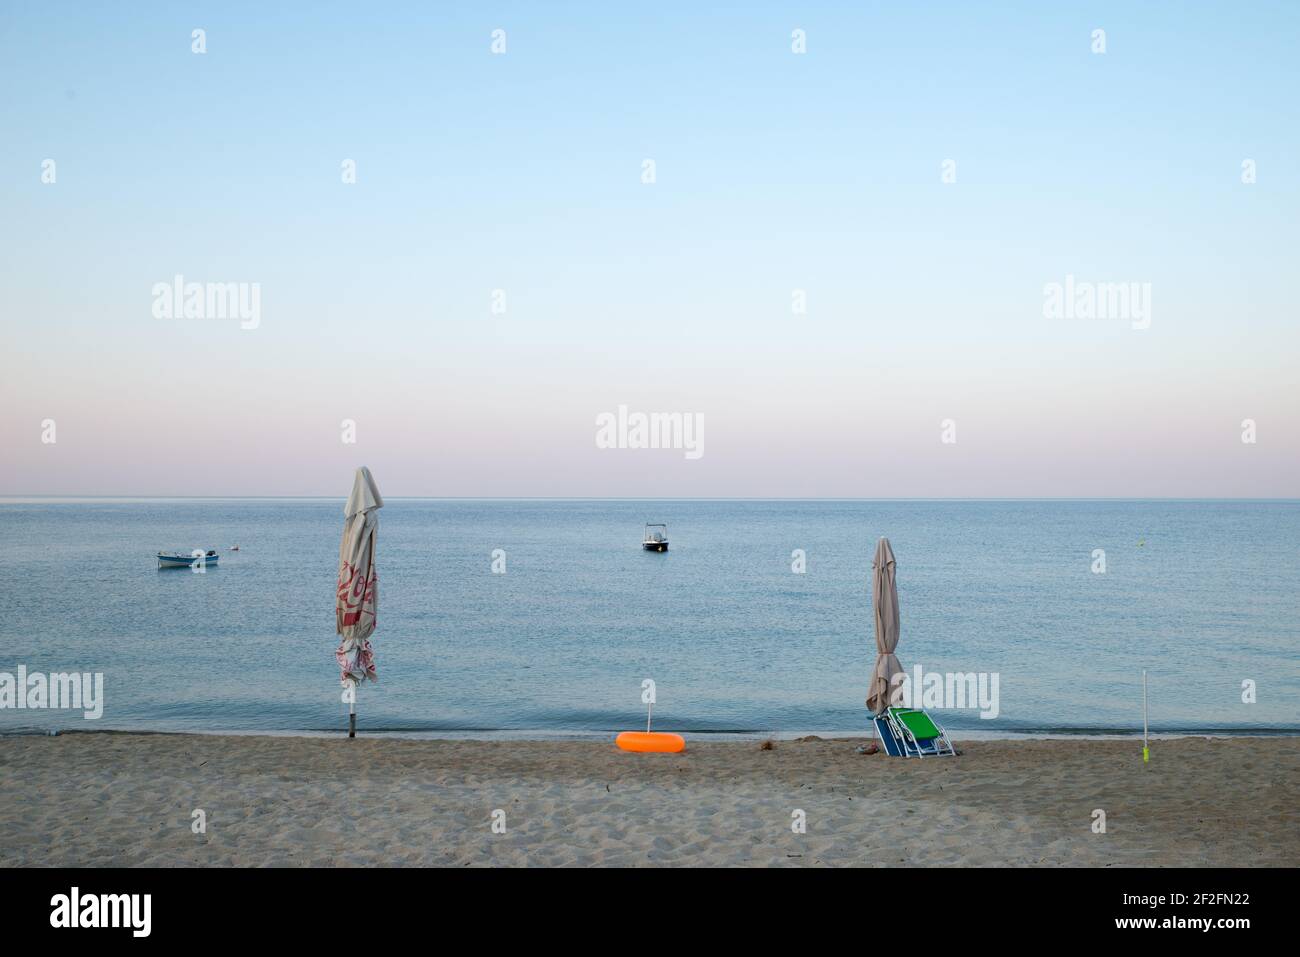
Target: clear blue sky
(775,172)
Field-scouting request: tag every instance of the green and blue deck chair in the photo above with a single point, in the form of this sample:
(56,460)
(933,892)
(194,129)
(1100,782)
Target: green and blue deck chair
(911,733)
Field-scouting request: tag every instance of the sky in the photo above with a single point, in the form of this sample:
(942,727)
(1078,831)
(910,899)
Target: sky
(922,366)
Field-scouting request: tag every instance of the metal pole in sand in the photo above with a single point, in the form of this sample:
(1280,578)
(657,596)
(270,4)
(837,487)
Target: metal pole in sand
(1146,753)
(352,712)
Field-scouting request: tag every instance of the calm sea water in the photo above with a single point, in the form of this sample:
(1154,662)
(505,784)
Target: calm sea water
(733,638)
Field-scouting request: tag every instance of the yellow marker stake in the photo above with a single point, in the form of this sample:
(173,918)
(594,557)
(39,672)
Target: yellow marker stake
(1146,752)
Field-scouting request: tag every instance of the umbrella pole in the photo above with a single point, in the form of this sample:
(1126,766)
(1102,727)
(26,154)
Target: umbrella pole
(1146,753)
(352,712)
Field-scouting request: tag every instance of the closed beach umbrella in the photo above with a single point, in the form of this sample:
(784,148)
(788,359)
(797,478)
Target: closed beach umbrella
(356,600)
(884,600)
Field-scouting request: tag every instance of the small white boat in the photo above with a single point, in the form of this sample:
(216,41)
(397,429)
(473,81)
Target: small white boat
(656,538)
(180,560)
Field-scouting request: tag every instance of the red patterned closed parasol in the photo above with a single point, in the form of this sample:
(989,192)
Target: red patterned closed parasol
(357,597)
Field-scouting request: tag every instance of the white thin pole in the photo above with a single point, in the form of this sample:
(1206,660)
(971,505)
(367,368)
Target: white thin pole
(1146,753)
(649,711)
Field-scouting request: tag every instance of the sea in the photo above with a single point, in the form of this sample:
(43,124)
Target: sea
(518,618)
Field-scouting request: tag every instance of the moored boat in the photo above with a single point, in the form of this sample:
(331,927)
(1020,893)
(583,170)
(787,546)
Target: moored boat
(181,560)
(656,538)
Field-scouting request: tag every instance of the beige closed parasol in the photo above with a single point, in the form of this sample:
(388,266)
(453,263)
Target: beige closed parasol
(884,601)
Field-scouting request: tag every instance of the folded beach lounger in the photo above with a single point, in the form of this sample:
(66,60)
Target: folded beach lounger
(887,739)
(911,733)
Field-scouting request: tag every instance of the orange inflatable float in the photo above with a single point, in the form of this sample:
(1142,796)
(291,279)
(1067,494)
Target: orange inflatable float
(659,741)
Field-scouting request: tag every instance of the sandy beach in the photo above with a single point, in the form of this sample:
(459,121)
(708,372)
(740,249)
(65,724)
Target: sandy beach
(129,799)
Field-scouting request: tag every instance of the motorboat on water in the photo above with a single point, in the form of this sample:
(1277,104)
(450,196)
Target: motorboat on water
(656,538)
(181,560)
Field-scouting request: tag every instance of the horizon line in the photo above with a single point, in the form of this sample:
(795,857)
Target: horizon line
(14,498)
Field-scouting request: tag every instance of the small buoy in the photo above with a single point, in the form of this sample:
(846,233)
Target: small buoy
(651,741)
